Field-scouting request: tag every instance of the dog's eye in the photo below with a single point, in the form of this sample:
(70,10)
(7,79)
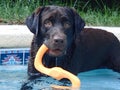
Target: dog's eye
(66,25)
(48,23)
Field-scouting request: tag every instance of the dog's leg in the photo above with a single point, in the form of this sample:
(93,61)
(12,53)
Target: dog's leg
(115,56)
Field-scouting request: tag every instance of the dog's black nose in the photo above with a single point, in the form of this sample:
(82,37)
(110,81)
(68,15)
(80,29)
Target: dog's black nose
(59,38)
(58,41)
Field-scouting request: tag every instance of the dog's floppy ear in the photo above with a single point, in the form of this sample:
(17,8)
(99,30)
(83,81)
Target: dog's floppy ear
(33,21)
(79,23)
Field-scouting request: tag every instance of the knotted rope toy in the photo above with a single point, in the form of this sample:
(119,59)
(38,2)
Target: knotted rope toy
(55,72)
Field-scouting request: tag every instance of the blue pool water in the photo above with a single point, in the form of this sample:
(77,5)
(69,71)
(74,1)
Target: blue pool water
(12,77)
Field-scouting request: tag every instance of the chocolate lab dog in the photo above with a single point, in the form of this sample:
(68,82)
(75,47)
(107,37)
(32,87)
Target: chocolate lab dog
(71,46)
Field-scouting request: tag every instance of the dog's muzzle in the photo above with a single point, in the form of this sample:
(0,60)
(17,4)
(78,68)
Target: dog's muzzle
(57,44)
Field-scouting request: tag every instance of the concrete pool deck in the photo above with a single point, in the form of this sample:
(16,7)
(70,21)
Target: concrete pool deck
(18,36)
(15,36)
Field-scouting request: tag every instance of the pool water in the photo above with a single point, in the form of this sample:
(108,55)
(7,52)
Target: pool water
(13,77)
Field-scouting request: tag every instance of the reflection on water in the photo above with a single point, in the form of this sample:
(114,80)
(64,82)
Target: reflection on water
(13,77)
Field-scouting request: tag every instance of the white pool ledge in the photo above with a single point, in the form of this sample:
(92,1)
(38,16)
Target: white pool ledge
(15,36)
(18,36)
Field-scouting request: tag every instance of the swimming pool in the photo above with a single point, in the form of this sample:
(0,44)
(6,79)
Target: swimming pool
(13,74)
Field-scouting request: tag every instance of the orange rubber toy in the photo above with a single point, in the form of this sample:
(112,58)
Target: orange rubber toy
(55,72)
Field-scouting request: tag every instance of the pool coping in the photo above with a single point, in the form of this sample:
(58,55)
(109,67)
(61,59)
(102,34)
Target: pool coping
(15,36)
(21,37)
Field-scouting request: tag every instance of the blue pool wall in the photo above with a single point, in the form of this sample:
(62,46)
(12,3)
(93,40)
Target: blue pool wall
(18,56)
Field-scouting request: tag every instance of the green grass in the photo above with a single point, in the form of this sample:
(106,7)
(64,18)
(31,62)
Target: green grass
(16,12)
(99,18)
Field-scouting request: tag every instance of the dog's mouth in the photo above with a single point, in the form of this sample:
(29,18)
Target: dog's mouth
(55,52)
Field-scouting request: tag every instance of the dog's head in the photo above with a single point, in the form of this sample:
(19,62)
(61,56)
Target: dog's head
(57,26)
